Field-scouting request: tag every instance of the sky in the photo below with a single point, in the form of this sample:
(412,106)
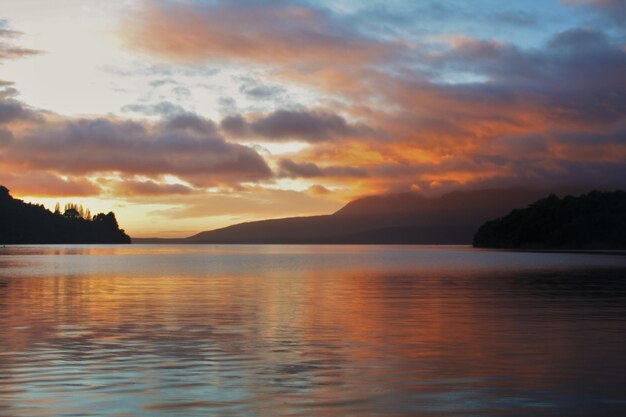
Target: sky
(183,116)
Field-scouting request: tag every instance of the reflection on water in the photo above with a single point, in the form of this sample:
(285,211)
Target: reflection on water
(310,331)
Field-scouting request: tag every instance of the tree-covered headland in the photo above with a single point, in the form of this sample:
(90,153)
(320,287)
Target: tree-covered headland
(596,220)
(24,223)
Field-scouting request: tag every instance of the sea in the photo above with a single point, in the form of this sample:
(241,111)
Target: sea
(310,330)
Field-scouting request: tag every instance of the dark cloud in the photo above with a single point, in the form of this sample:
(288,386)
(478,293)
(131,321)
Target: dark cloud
(281,125)
(261,92)
(553,174)
(578,38)
(256,90)
(6,136)
(185,145)
(289,168)
(12,110)
(612,10)
(235,125)
(576,59)
(614,135)
(575,80)
(309,126)
(190,122)
(132,188)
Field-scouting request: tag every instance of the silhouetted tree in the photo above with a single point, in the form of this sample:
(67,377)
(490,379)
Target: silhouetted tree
(72,213)
(596,220)
(21,222)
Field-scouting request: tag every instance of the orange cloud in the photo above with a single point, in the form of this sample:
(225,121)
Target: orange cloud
(46,184)
(146,188)
(433,115)
(269,34)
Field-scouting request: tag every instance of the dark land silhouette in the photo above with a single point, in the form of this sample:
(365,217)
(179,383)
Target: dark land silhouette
(596,220)
(24,223)
(405,218)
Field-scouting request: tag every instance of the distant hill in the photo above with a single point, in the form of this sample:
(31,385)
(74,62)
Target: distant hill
(24,223)
(404,218)
(596,220)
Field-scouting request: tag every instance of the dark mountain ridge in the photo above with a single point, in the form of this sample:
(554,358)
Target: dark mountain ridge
(24,223)
(403,218)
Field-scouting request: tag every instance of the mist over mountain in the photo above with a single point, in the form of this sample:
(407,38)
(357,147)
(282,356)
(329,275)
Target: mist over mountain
(403,218)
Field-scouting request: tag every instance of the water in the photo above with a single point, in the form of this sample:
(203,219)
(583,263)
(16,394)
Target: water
(310,331)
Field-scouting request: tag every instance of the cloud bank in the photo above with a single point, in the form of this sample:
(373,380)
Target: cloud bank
(383,103)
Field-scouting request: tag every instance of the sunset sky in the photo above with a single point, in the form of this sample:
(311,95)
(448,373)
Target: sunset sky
(184,116)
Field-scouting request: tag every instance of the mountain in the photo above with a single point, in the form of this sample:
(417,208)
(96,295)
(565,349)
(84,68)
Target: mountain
(404,218)
(24,223)
(596,220)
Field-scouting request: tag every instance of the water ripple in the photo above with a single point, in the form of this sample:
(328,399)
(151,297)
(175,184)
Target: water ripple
(310,331)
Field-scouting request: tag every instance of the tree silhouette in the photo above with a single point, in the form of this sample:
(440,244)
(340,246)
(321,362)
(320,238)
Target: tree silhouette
(23,223)
(596,220)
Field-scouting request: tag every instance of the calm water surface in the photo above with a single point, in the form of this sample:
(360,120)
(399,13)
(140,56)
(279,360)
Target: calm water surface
(310,331)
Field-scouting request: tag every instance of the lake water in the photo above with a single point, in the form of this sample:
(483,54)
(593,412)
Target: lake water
(310,331)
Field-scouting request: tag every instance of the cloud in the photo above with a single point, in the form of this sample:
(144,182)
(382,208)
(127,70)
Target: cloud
(383,110)
(261,92)
(560,85)
(254,202)
(511,124)
(9,51)
(185,145)
(163,108)
(317,189)
(140,189)
(257,90)
(190,122)
(12,52)
(283,125)
(47,184)
(6,136)
(612,10)
(272,33)
(289,168)
(13,110)
(162,82)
